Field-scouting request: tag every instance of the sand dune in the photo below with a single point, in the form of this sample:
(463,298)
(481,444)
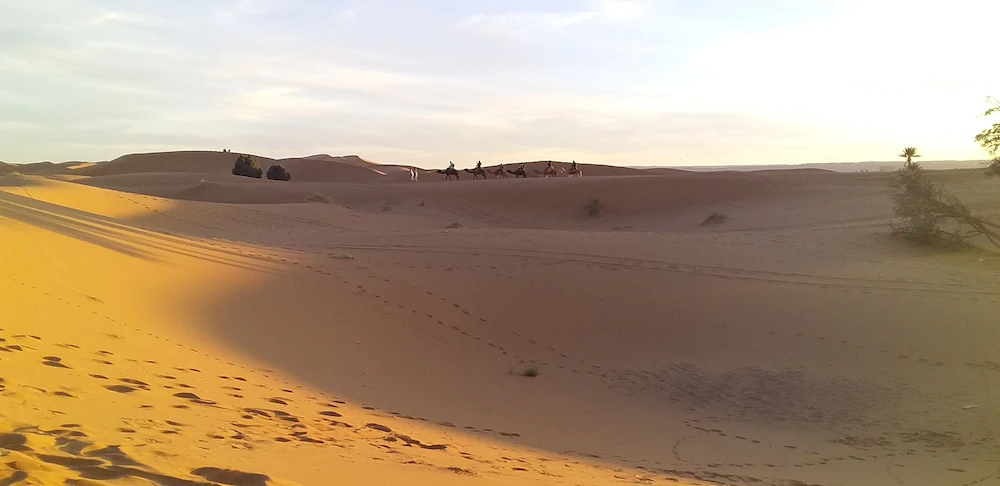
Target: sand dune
(311,169)
(42,168)
(343,159)
(381,337)
(199,162)
(649,203)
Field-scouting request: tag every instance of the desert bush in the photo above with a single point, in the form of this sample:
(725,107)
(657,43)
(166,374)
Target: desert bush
(714,218)
(246,166)
(593,208)
(530,372)
(924,209)
(277,172)
(989,139)
(993,168)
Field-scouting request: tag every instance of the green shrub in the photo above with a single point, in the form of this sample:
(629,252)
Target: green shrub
(917,203)
(246,166)
(278,172)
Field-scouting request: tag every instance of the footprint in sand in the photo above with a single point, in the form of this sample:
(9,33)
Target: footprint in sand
(140,384)
(54,361)
(193,398)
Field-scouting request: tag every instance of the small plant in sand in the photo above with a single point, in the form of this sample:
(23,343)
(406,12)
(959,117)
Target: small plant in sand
(277,172)
(246,166)
(593,208)
(909,153)
(530,372)
(714,218)
(925,211)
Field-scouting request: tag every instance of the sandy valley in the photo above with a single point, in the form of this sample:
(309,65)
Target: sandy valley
(164,322)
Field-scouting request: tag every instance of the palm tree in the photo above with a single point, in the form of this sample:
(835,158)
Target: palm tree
(910,153)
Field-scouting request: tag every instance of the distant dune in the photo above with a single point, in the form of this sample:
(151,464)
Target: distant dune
(343,159)
(868,166)
(40,168)
(194,161)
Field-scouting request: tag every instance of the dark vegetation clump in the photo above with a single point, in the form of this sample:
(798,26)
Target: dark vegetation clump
(246,166)
(593,208)
(993,168)
(714,218)
(530,372)
(277,172)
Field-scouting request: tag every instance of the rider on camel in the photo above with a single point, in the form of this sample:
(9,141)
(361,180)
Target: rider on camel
(479,165)
(572,168)
(451,165)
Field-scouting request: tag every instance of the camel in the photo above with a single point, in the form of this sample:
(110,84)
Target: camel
(548,172)
(519,173)
(448,173)
(477,172)
(571,172)
(498,172)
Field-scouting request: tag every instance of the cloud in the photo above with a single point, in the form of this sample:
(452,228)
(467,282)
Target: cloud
(602,81)
(530,25)
(241,9)
(354,12)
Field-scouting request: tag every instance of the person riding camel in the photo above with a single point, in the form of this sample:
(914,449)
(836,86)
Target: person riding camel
(572,168)
(479,165)
(451,165)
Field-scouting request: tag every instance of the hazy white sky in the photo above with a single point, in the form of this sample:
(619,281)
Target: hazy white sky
(611,81)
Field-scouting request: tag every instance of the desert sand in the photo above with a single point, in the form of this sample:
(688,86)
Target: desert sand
(164,322)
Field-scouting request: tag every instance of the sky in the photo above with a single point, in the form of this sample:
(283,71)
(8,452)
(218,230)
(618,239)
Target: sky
(624,82)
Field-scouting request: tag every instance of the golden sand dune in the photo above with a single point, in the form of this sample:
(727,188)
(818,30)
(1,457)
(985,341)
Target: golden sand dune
(384,337)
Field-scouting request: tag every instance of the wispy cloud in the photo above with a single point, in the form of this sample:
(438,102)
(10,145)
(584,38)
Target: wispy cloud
(529,25)
(355,11)
(636,82)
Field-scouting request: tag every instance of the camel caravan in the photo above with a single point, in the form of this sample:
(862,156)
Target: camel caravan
(519,173)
